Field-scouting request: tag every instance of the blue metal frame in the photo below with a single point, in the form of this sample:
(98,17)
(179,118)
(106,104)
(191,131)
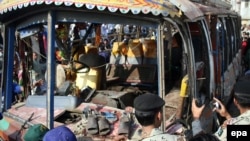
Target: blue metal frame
(51,69)
(8,90)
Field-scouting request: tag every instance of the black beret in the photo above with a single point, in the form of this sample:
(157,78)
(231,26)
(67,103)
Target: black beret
(241,89)
(242,92)
(242,86)
(148,102)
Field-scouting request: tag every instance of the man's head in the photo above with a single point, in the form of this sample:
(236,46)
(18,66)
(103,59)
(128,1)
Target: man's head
(35,56)
(148,109)
(60,133)
(242,93)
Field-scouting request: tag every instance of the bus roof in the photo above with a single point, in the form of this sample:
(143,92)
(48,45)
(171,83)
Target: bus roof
(8,9)
(156,7)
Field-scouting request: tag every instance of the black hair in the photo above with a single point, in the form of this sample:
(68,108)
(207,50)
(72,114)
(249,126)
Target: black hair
(204,137)
(146,119)
(242,99)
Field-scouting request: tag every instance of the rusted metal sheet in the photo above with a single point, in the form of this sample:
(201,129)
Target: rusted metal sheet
(207,10)
(229,80)
(188,8)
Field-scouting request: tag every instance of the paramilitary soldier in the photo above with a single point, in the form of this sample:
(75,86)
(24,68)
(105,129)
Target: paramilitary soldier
(148,112)
(241,98)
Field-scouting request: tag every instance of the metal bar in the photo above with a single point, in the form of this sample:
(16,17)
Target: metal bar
(2,29)
(51,69)
(211,63)
(8,67)
(161,68)
(18,119)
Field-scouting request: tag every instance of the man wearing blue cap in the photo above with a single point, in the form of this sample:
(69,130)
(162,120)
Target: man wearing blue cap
(60,133)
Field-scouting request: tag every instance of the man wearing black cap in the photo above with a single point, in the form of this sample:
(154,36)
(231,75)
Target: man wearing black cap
(241,99)
(148,112)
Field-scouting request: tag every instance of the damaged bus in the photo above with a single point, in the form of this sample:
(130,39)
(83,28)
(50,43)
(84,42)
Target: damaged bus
(72,58)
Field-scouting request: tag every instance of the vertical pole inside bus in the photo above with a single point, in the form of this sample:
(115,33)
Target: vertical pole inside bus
(51,69)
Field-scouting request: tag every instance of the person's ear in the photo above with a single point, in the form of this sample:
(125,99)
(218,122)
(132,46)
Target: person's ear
(236,102)
(159,116)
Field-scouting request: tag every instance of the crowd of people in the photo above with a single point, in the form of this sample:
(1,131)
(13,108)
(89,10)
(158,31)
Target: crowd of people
(245,47)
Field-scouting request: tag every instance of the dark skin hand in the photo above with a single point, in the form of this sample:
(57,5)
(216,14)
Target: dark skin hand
(196,110)
(222,111)
(120,138)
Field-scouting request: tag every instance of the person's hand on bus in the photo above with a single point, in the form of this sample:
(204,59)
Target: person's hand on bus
(38,83)
(196,111)
(222,110)
(129,109)
(225,123)
(119,138)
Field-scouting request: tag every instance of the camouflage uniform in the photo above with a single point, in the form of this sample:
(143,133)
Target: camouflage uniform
(158,135)
(221,133)
(243,119)
(145,105)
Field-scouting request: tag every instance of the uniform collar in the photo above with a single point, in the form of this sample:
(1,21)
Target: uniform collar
(247,113)
(155,131)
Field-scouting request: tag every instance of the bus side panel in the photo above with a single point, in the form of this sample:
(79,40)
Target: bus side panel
(229,81)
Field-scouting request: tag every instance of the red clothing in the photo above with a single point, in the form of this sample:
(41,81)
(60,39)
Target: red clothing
(243,47)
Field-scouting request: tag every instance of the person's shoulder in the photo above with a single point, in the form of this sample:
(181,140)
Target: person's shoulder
(165,137)
(243,118)
(14,84)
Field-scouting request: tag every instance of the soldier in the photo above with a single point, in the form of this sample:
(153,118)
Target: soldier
(148,112)
(241,100)
(60,133)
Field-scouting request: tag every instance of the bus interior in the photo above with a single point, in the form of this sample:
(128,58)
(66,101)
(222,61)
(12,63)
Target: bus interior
(94,56)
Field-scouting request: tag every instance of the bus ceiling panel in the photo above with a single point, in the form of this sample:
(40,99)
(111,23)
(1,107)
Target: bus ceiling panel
(106,18)
(29,32)
(35,21)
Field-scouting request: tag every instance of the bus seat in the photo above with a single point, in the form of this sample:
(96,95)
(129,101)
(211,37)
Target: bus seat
(96,77)
(116,53)
(91,79)
(149,51)
(81,50)
(89,48)
(134,74)
(134,53)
